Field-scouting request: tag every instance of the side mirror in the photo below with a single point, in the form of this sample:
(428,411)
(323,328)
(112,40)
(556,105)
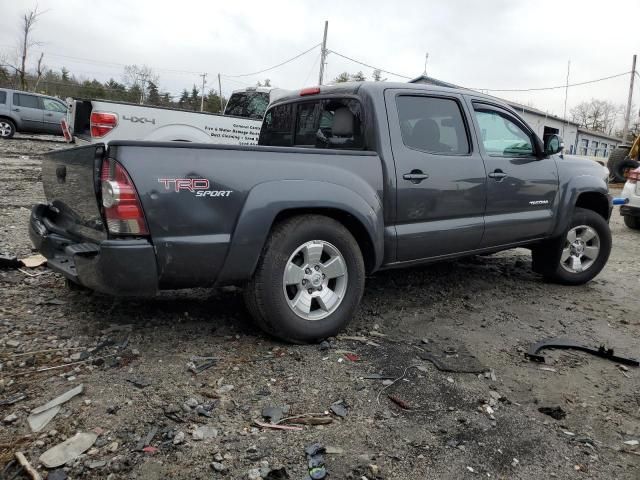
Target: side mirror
(553,144)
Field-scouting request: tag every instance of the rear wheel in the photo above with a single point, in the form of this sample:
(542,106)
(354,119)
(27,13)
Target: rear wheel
(580,255)
(7,128)
(632,222)
(309,280)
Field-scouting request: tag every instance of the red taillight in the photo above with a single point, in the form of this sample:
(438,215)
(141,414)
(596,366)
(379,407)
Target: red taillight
(102,123)
(122,207)
(309,91)
(633,176)
(65,130)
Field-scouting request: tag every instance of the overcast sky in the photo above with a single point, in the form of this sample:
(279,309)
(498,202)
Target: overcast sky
(488,44)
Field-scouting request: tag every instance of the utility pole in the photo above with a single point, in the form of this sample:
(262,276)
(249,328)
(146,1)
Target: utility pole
(204,76)
(426,60)
(627,114)
(220,94)
(566,95)
(323,52)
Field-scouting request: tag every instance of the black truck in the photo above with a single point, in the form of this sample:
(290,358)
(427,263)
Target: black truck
(346,180)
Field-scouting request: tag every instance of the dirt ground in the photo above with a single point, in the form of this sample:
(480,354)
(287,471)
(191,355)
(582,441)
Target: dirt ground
(132,357)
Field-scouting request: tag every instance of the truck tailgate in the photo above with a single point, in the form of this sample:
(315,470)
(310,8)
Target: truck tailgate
(71,180)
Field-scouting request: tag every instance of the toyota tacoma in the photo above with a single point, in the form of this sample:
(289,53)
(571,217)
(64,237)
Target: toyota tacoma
(345,180)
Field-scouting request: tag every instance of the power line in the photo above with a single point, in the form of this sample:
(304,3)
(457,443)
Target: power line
(371,66)
(548,88)
(275,66)
(313,65)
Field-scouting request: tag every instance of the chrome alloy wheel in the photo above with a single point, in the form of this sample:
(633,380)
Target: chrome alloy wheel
(315,280)
(581,249)
(5,129)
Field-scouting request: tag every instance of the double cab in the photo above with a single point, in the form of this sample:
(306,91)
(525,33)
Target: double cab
(345,180)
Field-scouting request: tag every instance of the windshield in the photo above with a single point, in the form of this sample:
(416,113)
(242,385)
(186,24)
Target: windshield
(248,104)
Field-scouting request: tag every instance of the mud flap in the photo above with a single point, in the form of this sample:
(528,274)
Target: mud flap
(545,256)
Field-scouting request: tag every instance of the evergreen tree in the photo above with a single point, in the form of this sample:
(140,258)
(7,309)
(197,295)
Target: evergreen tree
(153,95)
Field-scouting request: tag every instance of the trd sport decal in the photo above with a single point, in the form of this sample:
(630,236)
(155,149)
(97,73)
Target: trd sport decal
(198,186)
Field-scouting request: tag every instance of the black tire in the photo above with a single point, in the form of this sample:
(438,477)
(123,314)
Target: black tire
(7,128)
(618,163)
(547,257)
(265,295)
(632,222)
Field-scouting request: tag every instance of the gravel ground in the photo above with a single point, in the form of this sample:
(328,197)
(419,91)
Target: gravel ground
(132,358)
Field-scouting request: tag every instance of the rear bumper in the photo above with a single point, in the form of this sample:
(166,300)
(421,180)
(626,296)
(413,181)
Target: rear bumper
(114,267)
(629,211)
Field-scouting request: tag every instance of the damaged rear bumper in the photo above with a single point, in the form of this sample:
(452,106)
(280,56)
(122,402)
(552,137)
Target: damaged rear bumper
(115,267)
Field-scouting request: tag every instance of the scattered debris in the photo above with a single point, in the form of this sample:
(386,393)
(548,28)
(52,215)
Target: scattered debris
(315,461)
(398,401)
(41,416)
(204,432)
(564,343)
(339,408)
(277,427)
(311,420)
(178,438)
(68,450)
(12,417)
(198,364)
(352,357)
(631,443)
(37,421)
(140,382)
(274,414)
(33,261)
(147,439)
(13,399)
(556,413)
(24,463)
(452,359)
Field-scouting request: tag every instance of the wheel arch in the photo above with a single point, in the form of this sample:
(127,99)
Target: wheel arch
(271,202)
(351,223)
(584,191)
(598,202)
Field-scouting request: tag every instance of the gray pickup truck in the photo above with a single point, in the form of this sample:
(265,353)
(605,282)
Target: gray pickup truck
(346,180)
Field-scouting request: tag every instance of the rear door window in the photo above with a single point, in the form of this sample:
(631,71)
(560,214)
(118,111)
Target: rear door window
(326,123)
(27,101)
(433,125)
(3,97)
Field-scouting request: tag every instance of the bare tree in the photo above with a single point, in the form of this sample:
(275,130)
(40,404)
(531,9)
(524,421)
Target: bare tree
(39,71)
(138,77)
(598,115)
(29,20)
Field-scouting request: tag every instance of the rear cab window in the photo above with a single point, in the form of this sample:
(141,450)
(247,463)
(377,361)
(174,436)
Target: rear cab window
(335,123)
(248,105)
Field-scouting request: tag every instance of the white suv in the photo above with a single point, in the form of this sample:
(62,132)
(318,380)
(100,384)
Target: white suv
(631,191)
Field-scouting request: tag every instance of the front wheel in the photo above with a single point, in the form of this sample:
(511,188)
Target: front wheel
(580,255)
(309,280)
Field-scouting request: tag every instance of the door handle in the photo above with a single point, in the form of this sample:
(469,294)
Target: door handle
(415,176)
(48,114)
(16,109)
(497,174)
